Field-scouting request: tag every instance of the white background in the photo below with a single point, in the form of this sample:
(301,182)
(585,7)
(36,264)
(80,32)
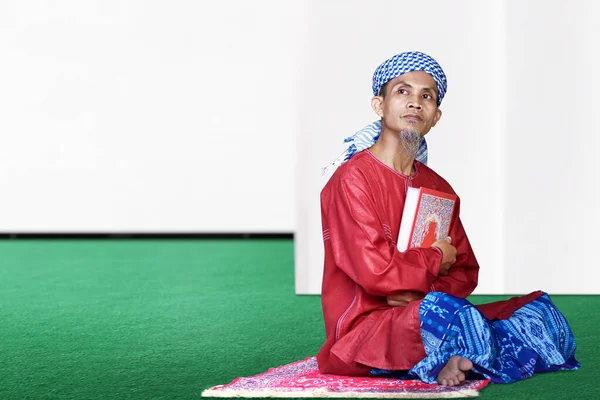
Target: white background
(197,116)
(148,116)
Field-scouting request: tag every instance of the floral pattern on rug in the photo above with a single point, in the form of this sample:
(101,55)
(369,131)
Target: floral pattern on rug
(303,376)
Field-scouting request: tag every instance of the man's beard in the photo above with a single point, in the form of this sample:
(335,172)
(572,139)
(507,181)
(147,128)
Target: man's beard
(411,140)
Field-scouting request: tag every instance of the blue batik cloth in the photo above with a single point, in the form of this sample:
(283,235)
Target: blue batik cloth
(536,338)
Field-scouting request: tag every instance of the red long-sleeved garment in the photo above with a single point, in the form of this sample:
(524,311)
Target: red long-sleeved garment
(361,208)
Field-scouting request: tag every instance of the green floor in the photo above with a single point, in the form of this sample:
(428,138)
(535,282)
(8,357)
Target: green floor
(154,319)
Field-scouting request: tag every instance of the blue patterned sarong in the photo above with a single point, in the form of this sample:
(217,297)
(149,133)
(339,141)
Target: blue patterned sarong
(536,338)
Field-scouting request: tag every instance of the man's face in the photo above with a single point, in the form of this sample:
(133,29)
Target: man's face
(410,103)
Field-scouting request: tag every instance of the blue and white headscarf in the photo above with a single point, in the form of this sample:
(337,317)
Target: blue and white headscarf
(388,70)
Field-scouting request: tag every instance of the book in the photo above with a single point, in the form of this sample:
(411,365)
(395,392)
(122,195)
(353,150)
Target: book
(427,217)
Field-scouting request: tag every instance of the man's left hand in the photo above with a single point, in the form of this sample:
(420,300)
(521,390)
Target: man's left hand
(403,299)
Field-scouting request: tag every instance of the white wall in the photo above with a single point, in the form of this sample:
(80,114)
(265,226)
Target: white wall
(517,140)
(552,146)
(148,116)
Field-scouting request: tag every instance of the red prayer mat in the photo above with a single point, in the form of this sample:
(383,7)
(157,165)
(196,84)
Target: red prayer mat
(303,379)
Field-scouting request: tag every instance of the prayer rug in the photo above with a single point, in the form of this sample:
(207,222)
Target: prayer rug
(303,379)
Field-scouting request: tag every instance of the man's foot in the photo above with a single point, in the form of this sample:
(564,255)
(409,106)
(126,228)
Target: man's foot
(453,372)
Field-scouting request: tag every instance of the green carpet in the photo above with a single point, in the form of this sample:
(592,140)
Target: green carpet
(159,319)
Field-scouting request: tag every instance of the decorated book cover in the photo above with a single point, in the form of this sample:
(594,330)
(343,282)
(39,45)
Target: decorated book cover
(427,218)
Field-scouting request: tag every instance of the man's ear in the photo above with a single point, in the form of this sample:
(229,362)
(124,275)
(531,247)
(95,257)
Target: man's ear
(377,104)
(438,115)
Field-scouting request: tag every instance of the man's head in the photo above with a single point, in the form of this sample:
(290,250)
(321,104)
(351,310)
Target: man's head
(429,78)
(408,89)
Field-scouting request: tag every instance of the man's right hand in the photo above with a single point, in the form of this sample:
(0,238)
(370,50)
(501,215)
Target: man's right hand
(448,254)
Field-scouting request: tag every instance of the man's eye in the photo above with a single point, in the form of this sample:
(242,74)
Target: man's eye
(427,96)
(402,91)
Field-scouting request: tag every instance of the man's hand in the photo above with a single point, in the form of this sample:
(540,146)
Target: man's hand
(448,254)
(448,258)
(403,299)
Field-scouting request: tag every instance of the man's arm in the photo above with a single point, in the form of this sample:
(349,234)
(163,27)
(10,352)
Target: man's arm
(462,276)
(361,249)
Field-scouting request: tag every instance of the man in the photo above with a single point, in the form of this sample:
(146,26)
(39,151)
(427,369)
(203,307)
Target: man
(392,312)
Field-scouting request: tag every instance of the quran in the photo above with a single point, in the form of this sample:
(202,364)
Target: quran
(427,217)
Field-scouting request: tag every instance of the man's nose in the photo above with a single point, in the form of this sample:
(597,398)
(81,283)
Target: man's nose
(415,103)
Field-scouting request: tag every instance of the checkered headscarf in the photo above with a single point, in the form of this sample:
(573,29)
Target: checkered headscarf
(391,68)
(408,62)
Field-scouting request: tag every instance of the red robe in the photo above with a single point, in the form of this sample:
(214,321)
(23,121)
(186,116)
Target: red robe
(361,209)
